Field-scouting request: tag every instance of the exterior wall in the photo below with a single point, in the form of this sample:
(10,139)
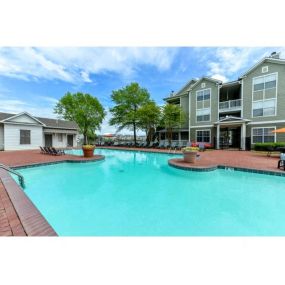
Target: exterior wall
(184,102)
(12,136)
(193,133)
(58,144)
(279,137)
(247,92)
(1,137)
(214,103)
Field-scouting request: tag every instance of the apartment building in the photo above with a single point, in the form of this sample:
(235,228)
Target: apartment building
(235,114)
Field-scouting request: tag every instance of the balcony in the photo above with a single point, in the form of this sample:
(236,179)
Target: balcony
(231,105)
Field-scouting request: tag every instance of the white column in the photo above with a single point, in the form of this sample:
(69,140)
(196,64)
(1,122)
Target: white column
(218,137)
(243,135)
(179,136)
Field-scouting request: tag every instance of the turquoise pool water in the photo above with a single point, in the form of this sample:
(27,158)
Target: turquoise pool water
(138,194)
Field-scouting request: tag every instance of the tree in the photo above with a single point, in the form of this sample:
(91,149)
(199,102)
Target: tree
(84,109)
(128,100)
(149,117)
(172,117)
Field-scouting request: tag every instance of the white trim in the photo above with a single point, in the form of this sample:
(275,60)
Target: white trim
(200,90)
(208,130)
(266,122)
(206,78)
(20,114)
(268,127)
(22,124)
(205,126)
(276,92)
(264,69)
(241,95)
(189,115)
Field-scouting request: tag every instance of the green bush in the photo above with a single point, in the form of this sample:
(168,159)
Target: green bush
(268,146)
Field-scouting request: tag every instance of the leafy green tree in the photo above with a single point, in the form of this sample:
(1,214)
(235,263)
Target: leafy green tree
(149,117)
(172,117)
(84,109)
(127,102)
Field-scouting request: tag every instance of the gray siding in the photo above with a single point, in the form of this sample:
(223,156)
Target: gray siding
(184,102)
(247,92)
(1,137)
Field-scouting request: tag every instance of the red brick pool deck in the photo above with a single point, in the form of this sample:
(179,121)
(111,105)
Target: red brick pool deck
(19,217)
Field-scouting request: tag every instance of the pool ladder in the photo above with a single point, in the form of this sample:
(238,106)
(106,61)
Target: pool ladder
(20,176)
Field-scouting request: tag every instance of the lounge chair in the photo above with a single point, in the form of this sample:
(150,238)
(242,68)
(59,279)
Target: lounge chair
(150,145)
(55,151)
(161,144)
(42,150)
(174,145)
(281,162)
(47,150)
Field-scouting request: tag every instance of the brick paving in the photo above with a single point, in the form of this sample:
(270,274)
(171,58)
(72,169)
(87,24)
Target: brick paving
(10,224)
(240,159)
(31,222)
(231,158)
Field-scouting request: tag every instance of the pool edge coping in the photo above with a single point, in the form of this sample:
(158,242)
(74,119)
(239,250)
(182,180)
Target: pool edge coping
(223,166)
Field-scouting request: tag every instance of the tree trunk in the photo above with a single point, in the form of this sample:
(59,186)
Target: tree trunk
(85,139)
(135,134)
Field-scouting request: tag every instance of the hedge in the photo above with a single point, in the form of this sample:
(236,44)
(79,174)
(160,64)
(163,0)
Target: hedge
(268,146)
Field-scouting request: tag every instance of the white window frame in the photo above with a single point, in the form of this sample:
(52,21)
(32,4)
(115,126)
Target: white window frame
(271,127)
(209,130)
(276,92)
(264,69)
(200,90)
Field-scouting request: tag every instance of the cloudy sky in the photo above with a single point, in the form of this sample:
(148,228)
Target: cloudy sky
(33,79)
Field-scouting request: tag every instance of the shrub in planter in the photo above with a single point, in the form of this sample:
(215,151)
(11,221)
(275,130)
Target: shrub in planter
(88,150)
(190,154)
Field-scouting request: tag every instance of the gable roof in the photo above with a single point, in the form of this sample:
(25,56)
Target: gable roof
(47,122)
(206,78)
(20,114)
(185,88)
(265,59)
(232,119)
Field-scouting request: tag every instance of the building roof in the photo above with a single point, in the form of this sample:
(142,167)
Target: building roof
(265,59)
(208,79)
(50,123)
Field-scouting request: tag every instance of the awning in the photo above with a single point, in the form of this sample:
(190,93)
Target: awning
(59,131)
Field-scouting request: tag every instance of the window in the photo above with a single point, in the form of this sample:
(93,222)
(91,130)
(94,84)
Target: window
(264,108)
(203,136)
(264,95)
(263,135)
(25,137)
(264,69)
(59,137)
(264,82)
(203,105)
(203,115)
(203,85)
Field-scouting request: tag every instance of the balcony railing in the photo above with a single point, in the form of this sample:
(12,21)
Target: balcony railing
(230,105)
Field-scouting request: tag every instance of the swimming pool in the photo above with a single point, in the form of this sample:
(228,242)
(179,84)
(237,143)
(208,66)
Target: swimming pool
(138,194)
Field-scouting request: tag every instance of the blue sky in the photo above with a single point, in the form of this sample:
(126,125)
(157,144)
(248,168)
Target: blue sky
(33,79)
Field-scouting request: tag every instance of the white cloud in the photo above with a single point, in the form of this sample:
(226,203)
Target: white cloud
(77,64)
(228,63)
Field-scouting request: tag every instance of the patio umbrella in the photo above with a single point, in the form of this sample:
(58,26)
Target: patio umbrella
(108,135)
(282,130)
